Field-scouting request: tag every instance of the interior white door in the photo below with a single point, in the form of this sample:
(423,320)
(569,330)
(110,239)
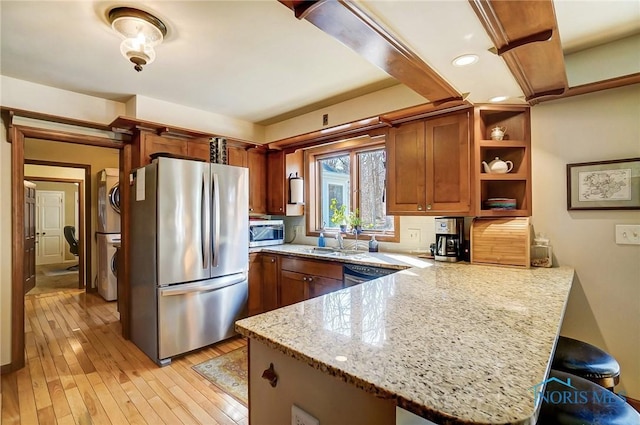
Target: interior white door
(50,222)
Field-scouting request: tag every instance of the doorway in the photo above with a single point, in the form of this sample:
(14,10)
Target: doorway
(70,271)
(18,135)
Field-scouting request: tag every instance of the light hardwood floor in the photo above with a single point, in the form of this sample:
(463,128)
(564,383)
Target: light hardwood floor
(81,371)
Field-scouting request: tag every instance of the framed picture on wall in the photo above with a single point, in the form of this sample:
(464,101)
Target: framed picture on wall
(604,185)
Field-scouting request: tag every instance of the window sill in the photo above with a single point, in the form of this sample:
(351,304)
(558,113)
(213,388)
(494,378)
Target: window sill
(364,236)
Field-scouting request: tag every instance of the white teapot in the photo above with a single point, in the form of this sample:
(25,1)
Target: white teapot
(497,166)
(498,133)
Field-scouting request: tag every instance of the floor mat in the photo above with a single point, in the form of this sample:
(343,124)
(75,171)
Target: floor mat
(229,373)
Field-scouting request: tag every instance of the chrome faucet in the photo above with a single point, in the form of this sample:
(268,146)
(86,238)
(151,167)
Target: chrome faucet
(340,240)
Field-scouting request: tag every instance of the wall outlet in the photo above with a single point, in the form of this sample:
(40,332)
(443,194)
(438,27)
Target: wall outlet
(325,119)
(414,235)
(628,234)
(300,417)
(297,229)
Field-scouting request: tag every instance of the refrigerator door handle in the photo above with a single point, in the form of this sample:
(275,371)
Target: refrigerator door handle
(216,221)
(205,229)
(189,288)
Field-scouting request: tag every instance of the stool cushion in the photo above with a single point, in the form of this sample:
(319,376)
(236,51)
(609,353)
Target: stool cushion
(577,401)
(583,359)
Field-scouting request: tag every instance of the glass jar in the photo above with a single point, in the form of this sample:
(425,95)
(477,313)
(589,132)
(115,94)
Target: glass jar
(541,252)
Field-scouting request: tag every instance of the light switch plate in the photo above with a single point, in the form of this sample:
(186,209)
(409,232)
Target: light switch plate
(628,234)
(300,417)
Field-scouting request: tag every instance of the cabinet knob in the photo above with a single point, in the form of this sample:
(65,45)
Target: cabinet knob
(310,279)
(304,278)
(250,209)
(270,375)
(429,206)
(280,208)
(273,260)
(419,207)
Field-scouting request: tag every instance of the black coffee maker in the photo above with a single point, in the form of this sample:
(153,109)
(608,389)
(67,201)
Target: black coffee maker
(449,238)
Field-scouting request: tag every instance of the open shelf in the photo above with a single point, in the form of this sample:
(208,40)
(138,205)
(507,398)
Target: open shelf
(515,147)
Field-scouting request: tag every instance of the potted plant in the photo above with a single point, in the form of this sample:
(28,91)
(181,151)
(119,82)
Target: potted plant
(339,214)
(355,221)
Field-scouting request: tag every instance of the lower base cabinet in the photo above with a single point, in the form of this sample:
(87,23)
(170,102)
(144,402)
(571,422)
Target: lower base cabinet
(301,279)
(276,281)
(263,283)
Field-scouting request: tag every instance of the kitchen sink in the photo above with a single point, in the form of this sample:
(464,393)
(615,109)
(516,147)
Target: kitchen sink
(334,252)
(346,252)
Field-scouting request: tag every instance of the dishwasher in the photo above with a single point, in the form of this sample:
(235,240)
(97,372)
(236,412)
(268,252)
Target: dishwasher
(358,273)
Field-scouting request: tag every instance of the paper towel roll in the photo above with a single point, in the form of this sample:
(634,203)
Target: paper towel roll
(296,192)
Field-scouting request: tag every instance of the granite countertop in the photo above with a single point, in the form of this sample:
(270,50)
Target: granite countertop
(391,260)
(452,342)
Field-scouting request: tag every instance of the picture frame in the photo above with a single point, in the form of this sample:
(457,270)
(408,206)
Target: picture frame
(604,185)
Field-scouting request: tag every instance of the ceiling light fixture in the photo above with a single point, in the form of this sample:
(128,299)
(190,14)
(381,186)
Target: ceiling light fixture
(498,99)
(465,60)
(141,31)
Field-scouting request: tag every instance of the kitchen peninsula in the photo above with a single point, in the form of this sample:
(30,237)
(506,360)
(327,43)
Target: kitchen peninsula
(452,343)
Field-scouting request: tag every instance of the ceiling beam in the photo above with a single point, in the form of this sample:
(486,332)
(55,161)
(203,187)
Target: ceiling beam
(347,23)
(525,34)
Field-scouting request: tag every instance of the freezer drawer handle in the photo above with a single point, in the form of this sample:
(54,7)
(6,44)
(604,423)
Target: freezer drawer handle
(203,287)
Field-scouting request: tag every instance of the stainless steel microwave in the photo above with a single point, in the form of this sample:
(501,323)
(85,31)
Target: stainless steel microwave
(266,232)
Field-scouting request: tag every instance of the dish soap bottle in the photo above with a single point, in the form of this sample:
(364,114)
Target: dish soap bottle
(321,241)
(373,244)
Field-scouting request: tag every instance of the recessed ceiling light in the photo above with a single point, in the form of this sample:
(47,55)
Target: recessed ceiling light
(465,60)
(498,99)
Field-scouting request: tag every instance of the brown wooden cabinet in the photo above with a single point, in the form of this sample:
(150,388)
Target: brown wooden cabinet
(279,166)
(276,199)
(270,278)
(237,156)
(151,143)
(515,147)
(428,167)
(301,279)
(257,162)
(254,303)
(263,283)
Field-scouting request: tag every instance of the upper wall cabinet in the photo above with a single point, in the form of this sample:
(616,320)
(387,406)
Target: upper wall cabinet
(428,167)
(503,133)
(279,167)
(256,160)
(151,143)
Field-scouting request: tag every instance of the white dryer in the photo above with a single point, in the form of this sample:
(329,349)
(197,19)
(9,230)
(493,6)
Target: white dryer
(108,201)
(108,265)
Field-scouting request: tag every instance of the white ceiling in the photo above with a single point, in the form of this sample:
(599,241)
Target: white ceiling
(254,61)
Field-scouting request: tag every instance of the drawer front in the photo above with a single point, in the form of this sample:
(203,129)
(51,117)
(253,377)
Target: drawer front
(312,268)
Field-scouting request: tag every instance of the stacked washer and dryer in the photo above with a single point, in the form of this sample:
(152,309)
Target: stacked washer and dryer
(108,234)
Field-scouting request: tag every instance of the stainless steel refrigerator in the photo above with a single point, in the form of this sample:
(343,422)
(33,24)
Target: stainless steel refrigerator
(189,255)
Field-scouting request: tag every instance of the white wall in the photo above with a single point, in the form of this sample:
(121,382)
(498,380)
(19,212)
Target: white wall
(604,306)
(154,110)
(369,105)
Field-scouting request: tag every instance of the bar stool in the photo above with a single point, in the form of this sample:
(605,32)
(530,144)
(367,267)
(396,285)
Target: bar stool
(586,361)
(581,402)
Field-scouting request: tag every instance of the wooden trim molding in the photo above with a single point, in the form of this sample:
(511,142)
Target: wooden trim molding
(17,263)
(370,124)
(611,83)
(525,34)
(54,118)
(68,137)
(345,21)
